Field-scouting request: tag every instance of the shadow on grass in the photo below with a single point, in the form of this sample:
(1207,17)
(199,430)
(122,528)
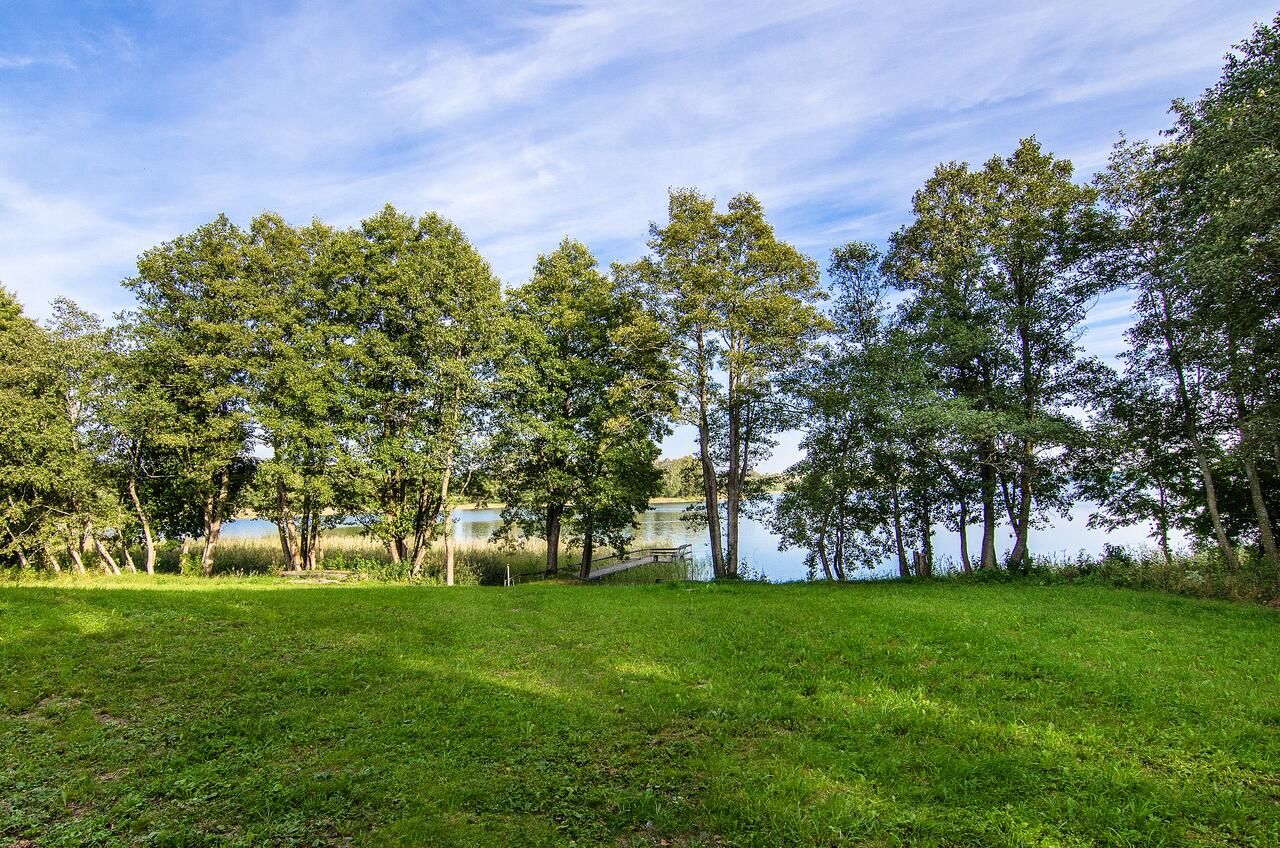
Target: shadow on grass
(696,715)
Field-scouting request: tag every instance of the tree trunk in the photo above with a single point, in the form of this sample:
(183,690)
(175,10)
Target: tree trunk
(1162,522)
(837,562)
(988,560)
(419,559)
(148,540)
(1019,557)
(214,507)
(554,511)
(904,570)
(448,547)
(76,558)
(128,557)
(926,543)
(733,508)
(107,560)
(285,526)
(1211,502)
(733,479)
(965,562)
(710,489)
(822,549)
(51,561)
(17,547)
(588,546)
(1191,428)
(1266,531)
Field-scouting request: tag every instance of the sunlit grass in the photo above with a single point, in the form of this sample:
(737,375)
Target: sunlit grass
(248,711)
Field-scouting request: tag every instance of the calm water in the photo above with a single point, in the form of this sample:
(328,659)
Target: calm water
(662,525)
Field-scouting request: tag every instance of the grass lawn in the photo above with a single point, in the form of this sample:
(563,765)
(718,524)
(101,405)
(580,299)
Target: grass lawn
(246,712)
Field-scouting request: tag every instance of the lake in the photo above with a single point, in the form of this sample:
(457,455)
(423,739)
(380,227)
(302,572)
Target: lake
(662,525)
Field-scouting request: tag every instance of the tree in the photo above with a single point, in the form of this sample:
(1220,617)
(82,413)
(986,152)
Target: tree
(941,260)
(740,305)
(87,504)
(1166,353)
(33,439)
(681,477)
(300,333)
(1002,263)
(1225,150)
(190,346)
(587,395)
(426,324)
(868,486)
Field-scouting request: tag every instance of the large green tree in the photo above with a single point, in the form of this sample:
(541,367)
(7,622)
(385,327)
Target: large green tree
(301,331)
(1000,263)
(1225,149)
(426,324)
(589,390)
(740,305)
(34,440)
(190,344)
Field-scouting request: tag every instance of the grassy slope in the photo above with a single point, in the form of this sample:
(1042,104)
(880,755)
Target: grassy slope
(238,712)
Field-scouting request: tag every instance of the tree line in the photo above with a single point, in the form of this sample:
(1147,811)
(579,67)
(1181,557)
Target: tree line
(380,374)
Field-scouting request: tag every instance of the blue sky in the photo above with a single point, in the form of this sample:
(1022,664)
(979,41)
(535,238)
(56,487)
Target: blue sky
(123,124)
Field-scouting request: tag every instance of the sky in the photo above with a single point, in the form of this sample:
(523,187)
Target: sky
(124,124)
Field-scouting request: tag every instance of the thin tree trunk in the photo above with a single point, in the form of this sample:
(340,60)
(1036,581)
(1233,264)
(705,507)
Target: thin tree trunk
(837,562)
(554,511)
(1192,429)
(1162,522)
(214,506)
(107,560)
(588,546)
(128,557)
(822,549)
(733,480)
(1266,531)
(448,547)
(1211,502)
(1019,557)
(710,492)
(965,562)
(76,558)
(17,548)
(51,561)
(904,570)
(148,540)
(926,543)
(285,526)
(733,509)
(988,560)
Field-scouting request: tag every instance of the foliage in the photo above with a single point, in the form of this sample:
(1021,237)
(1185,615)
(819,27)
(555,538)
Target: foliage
(587,391)
(740,303)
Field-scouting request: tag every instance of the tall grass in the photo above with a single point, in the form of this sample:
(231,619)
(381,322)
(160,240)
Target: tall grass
(1196,573)
(662,572)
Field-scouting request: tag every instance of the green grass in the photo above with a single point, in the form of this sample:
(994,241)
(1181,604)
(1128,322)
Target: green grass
(245,712)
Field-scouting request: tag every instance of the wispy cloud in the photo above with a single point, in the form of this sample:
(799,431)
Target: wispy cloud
(527,123)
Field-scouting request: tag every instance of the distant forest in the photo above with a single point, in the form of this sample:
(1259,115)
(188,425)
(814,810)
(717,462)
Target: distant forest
(380,374)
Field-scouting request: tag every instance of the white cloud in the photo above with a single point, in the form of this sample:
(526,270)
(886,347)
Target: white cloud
(575,119)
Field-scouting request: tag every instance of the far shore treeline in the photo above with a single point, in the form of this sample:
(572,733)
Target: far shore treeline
(380,374)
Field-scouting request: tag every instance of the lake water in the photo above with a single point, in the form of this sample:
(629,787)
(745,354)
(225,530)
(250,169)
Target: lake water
(662,525)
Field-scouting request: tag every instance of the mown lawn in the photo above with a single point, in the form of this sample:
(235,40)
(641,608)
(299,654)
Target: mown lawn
(242,712)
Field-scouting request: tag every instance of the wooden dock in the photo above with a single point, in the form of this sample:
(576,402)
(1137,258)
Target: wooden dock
(635,559)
